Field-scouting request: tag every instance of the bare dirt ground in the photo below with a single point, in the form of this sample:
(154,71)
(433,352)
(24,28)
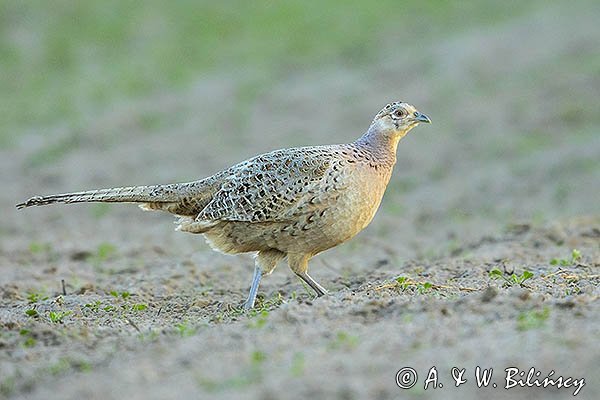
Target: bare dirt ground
(506,178)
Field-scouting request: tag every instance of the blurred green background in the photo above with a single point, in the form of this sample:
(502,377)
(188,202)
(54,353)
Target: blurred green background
(63,59)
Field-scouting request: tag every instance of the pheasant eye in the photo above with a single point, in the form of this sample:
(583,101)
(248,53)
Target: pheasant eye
(399,113)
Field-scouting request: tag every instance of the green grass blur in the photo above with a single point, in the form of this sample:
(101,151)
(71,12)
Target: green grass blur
(61,60)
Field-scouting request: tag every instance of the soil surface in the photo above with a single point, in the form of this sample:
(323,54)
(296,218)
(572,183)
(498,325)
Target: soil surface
(485,252)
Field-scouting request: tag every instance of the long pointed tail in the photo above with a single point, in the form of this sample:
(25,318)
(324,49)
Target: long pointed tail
(131,194)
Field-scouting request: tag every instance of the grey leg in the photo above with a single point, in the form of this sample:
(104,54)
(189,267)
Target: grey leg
(265,263)
(249,304)
(320,290)
(299,264)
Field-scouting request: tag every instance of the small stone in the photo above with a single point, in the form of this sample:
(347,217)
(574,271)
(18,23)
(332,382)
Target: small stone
(567,302)
(488,294)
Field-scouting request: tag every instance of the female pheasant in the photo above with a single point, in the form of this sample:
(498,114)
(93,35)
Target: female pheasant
(292,203)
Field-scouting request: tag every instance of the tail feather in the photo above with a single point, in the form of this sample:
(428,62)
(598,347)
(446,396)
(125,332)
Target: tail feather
(131,194)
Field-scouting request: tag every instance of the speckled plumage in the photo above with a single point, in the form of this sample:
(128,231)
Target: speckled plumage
(293,202)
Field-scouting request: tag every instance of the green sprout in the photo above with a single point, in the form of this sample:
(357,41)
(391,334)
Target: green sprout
(35,297)
(344,340)
(29,339)
(512,279)
(139,307)
(185,330)
(532,319)
(421,287)
(123,295)
(57,317)
(95,306)
(32,312)
(260,319)
(567,262)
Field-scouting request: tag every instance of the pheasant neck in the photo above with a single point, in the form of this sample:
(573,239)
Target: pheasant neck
(382,145)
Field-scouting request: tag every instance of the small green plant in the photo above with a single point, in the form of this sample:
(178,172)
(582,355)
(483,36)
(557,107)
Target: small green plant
(35,297)
(57,317)
(150,336)
(59,367)
(572,290)
(83,366)
(403,282)
(139,307)
(257,357)
(95,306)
(297,367)
(421,287)
(32,312)
(512,279)
(38,247)
(124,295)
(104,251)
(424,287)
(185,330)
(29,339)
(259,320)
(7,386)
(344,340)
(567,262)
(532,319)
(267,304)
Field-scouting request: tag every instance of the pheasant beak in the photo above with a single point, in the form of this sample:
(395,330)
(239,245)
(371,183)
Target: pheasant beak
(422,118)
